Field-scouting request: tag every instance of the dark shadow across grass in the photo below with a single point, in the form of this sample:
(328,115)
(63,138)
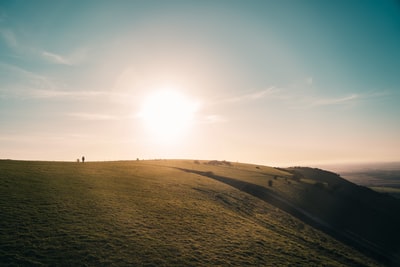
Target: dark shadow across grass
(267,195)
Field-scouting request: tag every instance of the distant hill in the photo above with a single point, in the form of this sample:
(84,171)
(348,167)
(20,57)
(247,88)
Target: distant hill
(190,213)
(382,177)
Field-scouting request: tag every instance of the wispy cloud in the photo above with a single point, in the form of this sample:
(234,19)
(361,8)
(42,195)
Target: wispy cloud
(304,96)
(28,78)
(25,49)
(343,100)
(334,101)
(252,95)
(33,85)
(55,58)
(19,48)
(271,93)
(9,38)
(93,116)
(43,93)
(74,58)
(214,118)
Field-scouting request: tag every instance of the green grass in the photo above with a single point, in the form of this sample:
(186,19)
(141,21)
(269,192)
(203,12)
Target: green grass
(149,213)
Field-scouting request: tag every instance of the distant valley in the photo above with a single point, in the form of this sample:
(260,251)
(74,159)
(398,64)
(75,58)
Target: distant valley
(381,177)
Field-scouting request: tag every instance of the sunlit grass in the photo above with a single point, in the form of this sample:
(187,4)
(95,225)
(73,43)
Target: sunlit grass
(148,213)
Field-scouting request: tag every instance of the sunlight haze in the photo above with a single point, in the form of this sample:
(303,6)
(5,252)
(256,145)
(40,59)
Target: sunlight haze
(168,115)
(267,82)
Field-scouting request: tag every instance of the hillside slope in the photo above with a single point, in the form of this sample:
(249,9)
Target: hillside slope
(155,213)
(361,216)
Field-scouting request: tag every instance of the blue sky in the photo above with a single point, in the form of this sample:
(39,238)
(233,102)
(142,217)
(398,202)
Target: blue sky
(270,82)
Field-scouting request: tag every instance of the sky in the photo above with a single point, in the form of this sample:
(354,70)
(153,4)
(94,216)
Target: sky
(278,83)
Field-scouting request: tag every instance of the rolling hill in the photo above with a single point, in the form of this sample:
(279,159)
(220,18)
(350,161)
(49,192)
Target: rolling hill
(190,213)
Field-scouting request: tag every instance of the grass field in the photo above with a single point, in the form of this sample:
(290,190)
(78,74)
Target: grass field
(153,213)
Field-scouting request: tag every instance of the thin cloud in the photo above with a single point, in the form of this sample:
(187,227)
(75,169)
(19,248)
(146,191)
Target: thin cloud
(9,37)
(27,78)
(271,92)
(375,94)
(334,101)
(32,85)
(63,93)
(84,94)
(300,98)
(20,49)
(55,58)
(346,100)
(261,94)
(210,119)
(76,57)
(252,96)
(25,49)
(92,116)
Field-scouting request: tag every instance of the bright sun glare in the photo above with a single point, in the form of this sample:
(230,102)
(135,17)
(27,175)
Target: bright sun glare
(167,115)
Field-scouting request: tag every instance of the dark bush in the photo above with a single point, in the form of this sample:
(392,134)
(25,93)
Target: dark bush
(216,162)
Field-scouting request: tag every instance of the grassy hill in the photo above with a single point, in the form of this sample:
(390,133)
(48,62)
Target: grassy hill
(163,213)
(357,215)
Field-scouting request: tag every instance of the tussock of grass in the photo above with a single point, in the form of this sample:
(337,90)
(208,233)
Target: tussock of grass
(149,213)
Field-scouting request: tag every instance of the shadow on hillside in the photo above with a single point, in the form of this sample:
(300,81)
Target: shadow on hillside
(267,195)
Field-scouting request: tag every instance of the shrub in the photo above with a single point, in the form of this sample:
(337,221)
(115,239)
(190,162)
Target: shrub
(216,163)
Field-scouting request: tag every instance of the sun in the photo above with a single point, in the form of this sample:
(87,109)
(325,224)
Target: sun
(167,115)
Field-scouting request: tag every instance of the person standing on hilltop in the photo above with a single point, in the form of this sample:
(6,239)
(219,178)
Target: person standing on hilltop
(83,159)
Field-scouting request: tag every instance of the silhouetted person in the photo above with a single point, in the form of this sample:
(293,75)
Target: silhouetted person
(83,159)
